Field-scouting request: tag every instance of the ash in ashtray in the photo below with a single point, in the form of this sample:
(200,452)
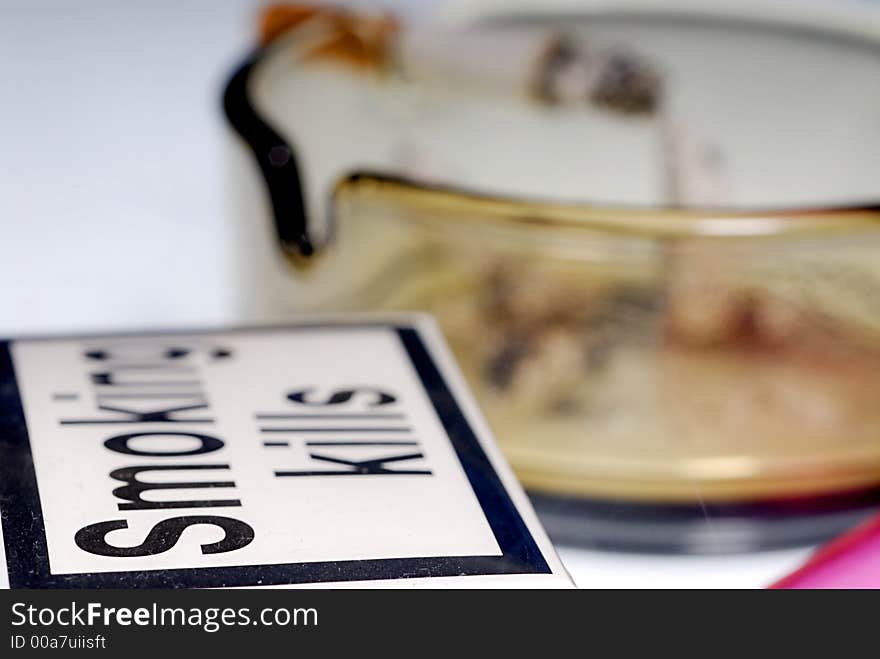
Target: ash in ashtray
(569,71)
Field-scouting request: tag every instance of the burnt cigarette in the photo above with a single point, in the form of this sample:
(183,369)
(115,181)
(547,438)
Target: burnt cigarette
(549,65)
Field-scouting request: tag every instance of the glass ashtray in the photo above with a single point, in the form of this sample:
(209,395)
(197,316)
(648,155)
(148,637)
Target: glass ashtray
(649,236)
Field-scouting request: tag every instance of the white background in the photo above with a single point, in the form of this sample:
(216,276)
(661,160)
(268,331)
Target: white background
(113,189)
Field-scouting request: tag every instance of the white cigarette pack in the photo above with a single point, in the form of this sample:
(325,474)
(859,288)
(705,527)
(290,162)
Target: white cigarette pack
(341,452)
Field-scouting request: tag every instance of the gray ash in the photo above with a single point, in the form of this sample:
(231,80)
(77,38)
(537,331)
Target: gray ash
(627,84)
(569,72)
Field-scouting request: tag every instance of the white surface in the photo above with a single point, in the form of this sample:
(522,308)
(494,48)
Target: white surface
(599,569)
(111,162)
(112,197)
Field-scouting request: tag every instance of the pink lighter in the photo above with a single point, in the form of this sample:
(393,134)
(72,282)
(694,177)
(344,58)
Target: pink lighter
(850,561)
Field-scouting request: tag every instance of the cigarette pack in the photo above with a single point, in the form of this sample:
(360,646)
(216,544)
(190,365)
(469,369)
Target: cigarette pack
(341,451)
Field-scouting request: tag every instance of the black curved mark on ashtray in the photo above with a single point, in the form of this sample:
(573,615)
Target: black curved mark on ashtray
(275,157)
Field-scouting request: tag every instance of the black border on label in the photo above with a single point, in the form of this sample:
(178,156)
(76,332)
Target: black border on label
(24,535)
